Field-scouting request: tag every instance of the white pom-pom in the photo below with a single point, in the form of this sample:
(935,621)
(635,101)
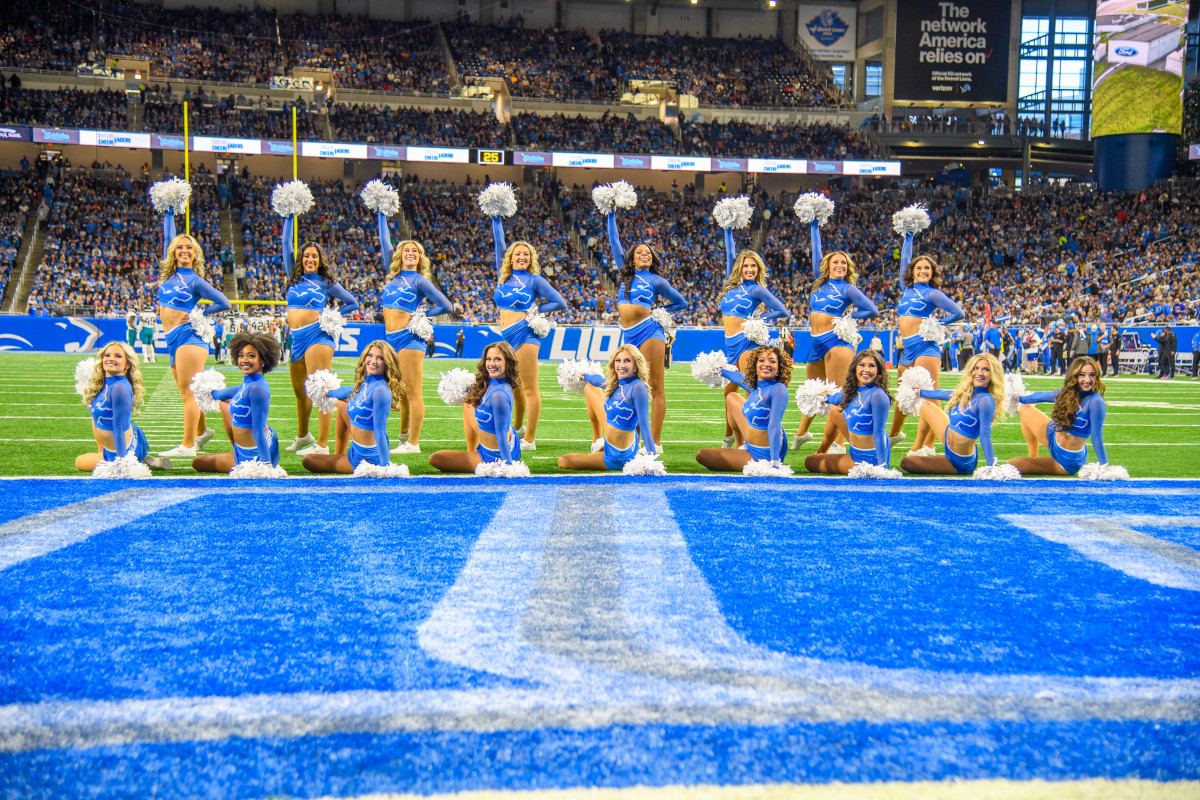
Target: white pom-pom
(862,469)
(932,330)
(706,368)
(332,322)
(1000,472)
(454,385)
(256,469)
(83,375)
(202,325)
(624,195)
(812,397)
(170,195)
(420,326)
(813,206)
(366,469)
(318,385)
(204,383)
(733,212)
(663,318)
(502,469)
(908,395)
(378,196)
(846,329)
(571,372)
(1014,387)
(756,330)
(291,198)
(1103,472)
(127,466)
(767,469)
(498,200)
(910,219)
(602,196)
(538,325)
(644,464)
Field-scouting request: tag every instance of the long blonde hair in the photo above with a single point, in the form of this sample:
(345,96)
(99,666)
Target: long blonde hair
(640,364)
(391,372)
(961,396)
(133,372)
(823,278)
(424,266)
(734,279)
(167,267)
(506,269)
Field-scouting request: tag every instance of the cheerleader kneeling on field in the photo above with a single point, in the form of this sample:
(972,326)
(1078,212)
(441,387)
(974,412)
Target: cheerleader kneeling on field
(245,407)
(622,398)
(487,417)
(758,421)
(860,414)
(113,392)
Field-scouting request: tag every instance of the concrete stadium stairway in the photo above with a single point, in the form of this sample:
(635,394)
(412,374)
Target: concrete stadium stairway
(231,231)
(33,242)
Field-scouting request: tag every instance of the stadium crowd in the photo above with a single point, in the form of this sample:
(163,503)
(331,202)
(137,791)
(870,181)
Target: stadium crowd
(414,126)
(65,108)
(225,119)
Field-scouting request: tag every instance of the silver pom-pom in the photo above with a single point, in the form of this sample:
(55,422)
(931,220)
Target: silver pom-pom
(332,322)
(126,466)
(291,198)
(602,196)
(932,330)
(1014,387)
(812,397)
(256,469)
(420,326)
(571,372)
(706,368)
(378,196)
(733,212)
(624,195)
(908,395)
(663,318)
(454,385)
(502,469)
(813,206)
(83,375)
(538,324)
(767,469)
(757,330)
(170,195)
(644,464)
(498,200)
(861,469)
(846,329)
(999,472)
(318,385)
(1103,472)
(202,325)
(366,469)
(204,383)
(910,219)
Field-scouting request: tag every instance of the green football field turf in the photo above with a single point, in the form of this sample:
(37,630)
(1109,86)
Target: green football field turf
(1152,427)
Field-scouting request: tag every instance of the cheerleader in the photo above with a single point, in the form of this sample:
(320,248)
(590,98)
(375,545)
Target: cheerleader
(312,283)
(622,398)
(758,422)
(860,416)
(487,415)
(1078,413)
(114,393)
(245,407)
(974,404)
(363,413)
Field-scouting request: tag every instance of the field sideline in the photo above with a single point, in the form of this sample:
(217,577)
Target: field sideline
(1152,427)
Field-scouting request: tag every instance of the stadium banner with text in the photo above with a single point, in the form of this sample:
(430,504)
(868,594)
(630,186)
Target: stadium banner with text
(952,52)
(1138,83)
(828,31)
(15,133)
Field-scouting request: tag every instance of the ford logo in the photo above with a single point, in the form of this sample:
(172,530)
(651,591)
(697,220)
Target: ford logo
(1126,52)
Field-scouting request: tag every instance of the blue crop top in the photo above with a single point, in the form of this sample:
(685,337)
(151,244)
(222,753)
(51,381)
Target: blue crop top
(249,405)
(974,421)
(1089,420)
(183,290)
(741,300)
(112,410)
(867,415)
(834,297)
(368,410)
(495,409)
(764,407)
(405,291)
(628,407)
(920,299)
(645,285)
(311,292)
(520,291)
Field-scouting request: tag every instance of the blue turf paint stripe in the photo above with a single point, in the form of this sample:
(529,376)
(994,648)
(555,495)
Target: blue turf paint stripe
(1115,542)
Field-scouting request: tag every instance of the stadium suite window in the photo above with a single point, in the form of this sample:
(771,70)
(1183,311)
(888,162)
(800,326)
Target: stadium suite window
(873,80)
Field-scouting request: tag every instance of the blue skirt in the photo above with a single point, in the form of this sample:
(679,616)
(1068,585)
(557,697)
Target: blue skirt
(735,347)
(917,346)
(244,454)
(137,444)
(643,332)
(489,456)
(183,334)
(404,339)
(518,335)
(822,344)
(1070,460)
(304,338)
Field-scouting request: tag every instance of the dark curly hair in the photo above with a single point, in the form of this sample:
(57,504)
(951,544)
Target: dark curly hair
(935,278)
(266,347)
(511,373)
(850,387)
(626,277)
(324,265)
(785,365)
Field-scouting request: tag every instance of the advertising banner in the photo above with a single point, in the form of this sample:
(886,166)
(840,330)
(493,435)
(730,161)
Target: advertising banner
(214,144)
(828,31)
(691,163)
(594,160)
(442,155)
(15,133)
(951,52)
(792,167)
(166,141)
(333,150)
(55,136)
(115,139)
(1193,152)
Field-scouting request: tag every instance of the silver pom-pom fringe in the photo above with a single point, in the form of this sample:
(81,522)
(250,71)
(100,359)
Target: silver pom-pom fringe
(602,196)
(644,464)
(767,469)
(498,200)
(910,219)
(420,326)
(256,469)
(1103,472)
(706,368)
(846,329)
(332,322)
(813,206)
(291,198)
(757,330)
(999,472)
(378,196)
(538,324)
(83,375)
(873,471)
(932,330)
(454,385)
(1014,388)
(733,212)
(171,194)
(127,466)
(202,325)
(366,469)
(908,395)
(502,469)
(318,385)
(204,383)
(812,397)
(571,372)
(624,195)
(663,318)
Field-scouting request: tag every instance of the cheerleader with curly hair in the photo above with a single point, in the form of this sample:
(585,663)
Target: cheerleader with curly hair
(974,404)
(487,414)
(245,407)
(622,399)
(113,394)
(860,415)
(758,421)
(1078,414)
